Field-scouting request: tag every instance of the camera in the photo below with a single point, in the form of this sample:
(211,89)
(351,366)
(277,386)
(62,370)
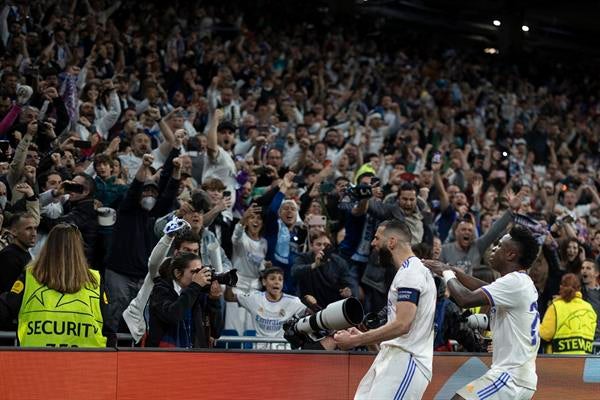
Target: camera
(339,315)
(374,320)
(359,192)
(228,278)
(479,322)
(327,252)
(475,322)
(73,187)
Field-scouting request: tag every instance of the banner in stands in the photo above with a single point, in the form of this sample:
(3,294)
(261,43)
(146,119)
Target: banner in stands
(27,374)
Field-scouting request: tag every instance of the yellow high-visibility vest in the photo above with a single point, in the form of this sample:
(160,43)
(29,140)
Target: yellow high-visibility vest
(575,327)
(48,318)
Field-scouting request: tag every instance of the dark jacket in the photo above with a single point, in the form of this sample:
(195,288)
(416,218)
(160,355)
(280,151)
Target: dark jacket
(168,310)
(323,282)
(83,215)
(108,192)
(13,260)
(133,238)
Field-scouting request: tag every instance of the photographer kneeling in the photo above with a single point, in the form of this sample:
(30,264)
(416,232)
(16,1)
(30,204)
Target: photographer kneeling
(180,299)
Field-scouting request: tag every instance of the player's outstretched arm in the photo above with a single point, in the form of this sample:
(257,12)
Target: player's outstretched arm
(466,294)
(464,297)
(468,281)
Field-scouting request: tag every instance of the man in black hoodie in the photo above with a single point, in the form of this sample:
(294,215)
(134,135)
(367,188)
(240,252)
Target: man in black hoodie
(79,210)
(133,238)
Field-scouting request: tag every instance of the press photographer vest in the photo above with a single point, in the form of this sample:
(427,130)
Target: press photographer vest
(575,327)
(48,318)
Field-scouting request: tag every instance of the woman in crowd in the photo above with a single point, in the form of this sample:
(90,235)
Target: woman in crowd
(249,251)
(58,300)
(571,256)
(181,297)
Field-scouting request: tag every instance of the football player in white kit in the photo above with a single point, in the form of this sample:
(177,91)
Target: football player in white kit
(514,319)
(402,368)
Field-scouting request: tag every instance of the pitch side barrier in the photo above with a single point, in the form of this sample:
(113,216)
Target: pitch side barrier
(134,373)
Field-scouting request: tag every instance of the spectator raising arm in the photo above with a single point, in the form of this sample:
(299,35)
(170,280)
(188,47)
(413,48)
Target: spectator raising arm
(134,314)
(114,111)
(17,166)
(212,145)
(439,185)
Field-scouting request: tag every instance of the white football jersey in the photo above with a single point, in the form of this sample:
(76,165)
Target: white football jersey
(269,316)
(413,282)
(515,326)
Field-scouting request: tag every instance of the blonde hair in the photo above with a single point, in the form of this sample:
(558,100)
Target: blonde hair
(61,264)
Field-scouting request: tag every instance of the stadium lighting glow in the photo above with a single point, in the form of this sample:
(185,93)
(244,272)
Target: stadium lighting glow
(525,28)
(490,50)
(497,22)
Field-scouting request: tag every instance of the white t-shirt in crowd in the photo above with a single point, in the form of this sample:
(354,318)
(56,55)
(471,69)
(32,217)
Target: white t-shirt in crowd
(133,162)
(222,168)
(248,258)
(515,326)
(269,316)
(413,282)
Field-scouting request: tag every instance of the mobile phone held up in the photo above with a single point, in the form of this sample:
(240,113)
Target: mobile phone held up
(73,187)
(437,157)
(316,220)
(82,144)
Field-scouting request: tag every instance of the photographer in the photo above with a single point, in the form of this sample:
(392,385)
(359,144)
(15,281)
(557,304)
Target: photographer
(184,306)
(322,274)
(359,226)
(407,209)
(79,210)
(450,324)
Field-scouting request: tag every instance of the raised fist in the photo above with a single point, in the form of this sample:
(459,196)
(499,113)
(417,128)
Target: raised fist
(218,115)
(147,160)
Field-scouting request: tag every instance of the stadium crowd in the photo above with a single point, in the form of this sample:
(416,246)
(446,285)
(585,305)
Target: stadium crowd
(282,146)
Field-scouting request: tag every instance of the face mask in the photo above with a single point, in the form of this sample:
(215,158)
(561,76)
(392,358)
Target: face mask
(148,202)
(3,201)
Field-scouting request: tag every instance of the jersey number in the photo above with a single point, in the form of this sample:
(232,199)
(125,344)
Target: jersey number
(535,324)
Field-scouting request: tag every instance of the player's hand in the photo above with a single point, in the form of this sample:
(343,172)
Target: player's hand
(435,266)
(345,340)
(353,331)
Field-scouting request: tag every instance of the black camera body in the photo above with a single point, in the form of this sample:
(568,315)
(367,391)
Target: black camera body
(359,192)
(374,320)
(327,252)
(228,278)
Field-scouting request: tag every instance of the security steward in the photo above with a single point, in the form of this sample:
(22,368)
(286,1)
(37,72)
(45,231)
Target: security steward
(47,318)
(570,322)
